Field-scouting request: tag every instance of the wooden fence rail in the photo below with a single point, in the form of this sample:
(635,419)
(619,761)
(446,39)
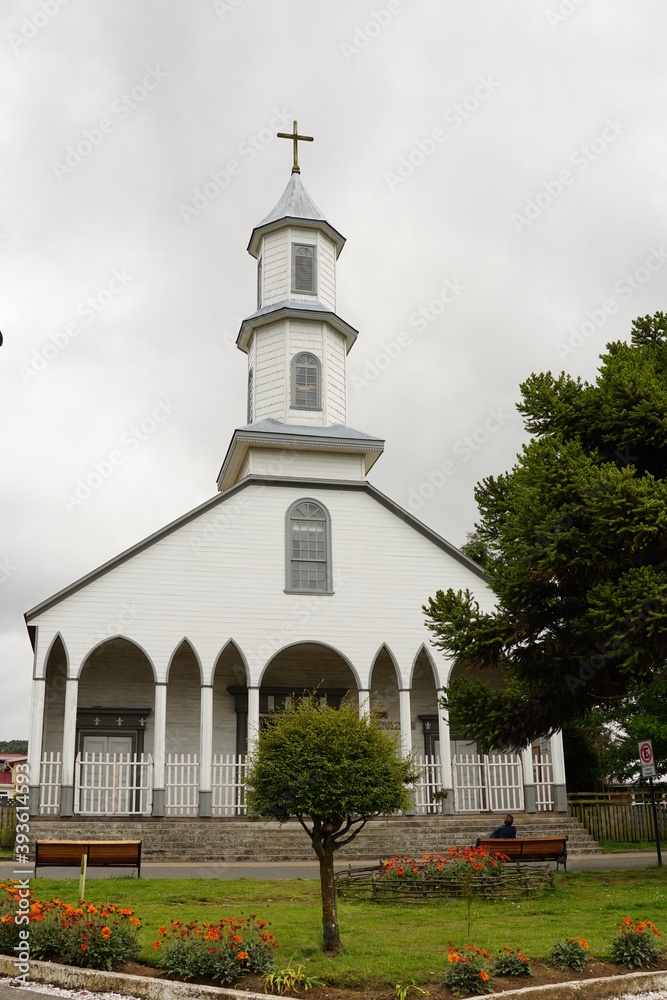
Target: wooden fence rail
(619,816)
(7,824)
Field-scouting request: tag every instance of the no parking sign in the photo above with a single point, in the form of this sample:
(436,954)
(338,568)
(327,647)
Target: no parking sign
(646,758)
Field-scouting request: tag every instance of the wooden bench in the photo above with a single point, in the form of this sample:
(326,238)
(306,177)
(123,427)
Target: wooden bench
(529,848)
(99,854)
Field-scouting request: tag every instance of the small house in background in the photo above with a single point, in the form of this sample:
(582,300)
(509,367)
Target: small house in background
(154,673)
(8,762)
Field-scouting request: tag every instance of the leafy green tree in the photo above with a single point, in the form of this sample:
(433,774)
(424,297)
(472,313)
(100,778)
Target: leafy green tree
(13,746)
(333,771)
(576,542)
(642,716)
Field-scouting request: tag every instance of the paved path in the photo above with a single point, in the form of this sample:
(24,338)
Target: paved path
(308,870)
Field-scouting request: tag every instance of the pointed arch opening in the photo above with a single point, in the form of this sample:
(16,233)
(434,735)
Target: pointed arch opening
(424,708)
(183,701)
(299,668)
(54,696)
(230,701)
(384,686)
(116,699)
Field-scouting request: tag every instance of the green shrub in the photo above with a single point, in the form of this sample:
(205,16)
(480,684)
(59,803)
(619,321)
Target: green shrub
(222,952)
(466,972)
(635,945)
(569,954)
(89,936)
(511,962)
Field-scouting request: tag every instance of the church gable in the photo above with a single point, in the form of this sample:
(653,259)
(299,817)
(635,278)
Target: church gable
(206,576)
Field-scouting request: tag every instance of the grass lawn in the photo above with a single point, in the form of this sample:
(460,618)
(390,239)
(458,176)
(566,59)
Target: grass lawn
(612,846)
(388,943)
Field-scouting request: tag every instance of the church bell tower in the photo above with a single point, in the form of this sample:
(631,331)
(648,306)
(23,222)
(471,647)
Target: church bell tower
(297,348)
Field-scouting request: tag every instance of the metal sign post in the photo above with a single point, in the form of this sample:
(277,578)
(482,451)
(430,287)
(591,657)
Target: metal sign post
(648,771)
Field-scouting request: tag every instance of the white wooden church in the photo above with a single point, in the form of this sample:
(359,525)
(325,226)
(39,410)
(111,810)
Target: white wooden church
(297,575)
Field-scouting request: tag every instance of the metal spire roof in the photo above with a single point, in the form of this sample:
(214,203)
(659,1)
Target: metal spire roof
(294,204)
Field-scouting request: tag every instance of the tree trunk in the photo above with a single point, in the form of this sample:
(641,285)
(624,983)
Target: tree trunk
(325,852)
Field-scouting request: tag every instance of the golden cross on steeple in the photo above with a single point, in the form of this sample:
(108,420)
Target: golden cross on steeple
(296,169)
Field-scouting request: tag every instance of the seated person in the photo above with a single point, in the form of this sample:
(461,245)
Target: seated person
(506,830)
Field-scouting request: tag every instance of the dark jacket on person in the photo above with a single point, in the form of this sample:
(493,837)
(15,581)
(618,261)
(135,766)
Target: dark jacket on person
(503,831)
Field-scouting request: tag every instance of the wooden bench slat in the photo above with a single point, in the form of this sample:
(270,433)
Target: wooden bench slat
(99,853)
(529,848)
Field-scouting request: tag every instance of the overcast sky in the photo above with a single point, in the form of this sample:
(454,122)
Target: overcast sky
(498,171)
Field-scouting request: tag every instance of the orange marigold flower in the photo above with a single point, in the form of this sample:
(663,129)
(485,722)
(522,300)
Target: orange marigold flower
(484,976)
(135,921)
(106,933)
(243,955)
(156,944)
(84,946)
(584,944)
(125,912)
(162,931)
(91,908)
(400,870)
(7,918)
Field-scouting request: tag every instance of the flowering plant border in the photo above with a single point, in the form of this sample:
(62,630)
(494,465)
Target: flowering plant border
(633,946)
(88,935)
(222,952)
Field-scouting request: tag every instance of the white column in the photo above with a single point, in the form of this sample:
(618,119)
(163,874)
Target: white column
(529,800)
(69,747)
(364,703)
(159,748)
(406,719)
(37,703)
(558,762)
(205,750)
(253,717)
(445,755)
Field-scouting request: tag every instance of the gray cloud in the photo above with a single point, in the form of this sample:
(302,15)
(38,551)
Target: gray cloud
(223,70)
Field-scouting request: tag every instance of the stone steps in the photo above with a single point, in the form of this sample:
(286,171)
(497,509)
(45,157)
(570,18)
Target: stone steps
(237,839)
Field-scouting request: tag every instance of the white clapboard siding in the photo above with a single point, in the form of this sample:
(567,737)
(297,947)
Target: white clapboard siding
(49,783)
(275,267)
(543,776)
(206,581)
(113,784)
(181,789)
(428,783)
(269,378)
(336,377)
(228,785)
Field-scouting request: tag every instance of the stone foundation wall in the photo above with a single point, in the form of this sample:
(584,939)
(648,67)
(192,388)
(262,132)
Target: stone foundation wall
(210,840)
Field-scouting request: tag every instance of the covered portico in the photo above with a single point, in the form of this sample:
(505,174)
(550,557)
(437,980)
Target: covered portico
(114,738)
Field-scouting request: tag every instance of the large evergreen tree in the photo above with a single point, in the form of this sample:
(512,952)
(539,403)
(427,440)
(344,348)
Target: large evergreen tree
(575,537)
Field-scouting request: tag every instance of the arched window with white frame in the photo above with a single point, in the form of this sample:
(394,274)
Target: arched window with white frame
(308,548)
(306,382)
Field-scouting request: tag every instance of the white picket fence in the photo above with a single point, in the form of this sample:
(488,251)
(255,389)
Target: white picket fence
(228,785)
(50,779)
(113,784)
(487,783)
(122,784)
(428,785)
(543,776)
(181,787)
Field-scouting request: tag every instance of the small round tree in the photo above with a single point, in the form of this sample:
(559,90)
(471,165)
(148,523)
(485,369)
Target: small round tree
(333,771)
